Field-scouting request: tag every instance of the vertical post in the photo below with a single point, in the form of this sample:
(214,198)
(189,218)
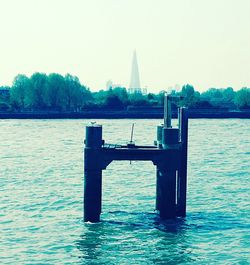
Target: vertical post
(167,111)
(182,172)
(159,135)
(158,197)
(92,174)
(166,192)
(159,144)
(170,137)
(166,177)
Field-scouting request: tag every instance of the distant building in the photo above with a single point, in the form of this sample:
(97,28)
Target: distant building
(176,88)
(135,86)
(144,91)
(110,85)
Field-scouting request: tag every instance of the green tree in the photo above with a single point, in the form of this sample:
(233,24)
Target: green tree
(39,84)
(160,98)
(113,101)
(152,99)
(214,96)
(122,94)
(242,98)
(190,97)
(99,97)
(228,95)
(115,98)
(219,97)
(137,99)
(85,97)
(19,92)
(55,91)
(5,94)
(75,94)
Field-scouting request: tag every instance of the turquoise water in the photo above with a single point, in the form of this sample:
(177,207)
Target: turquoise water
(41,180)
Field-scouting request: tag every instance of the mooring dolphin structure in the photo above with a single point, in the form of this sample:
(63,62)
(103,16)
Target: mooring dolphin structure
(168,154)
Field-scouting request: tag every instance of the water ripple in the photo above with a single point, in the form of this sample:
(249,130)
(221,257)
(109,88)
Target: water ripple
(41,197)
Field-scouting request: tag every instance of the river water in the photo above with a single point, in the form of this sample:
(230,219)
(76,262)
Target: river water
(41,180)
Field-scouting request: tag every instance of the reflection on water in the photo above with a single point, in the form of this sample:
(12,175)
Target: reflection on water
(175,241)
(91,243)
(126,241)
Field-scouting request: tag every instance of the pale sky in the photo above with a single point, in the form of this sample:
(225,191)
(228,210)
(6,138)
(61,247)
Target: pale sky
(201,42)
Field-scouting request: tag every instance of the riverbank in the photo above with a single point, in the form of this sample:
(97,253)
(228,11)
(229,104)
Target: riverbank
(123,114)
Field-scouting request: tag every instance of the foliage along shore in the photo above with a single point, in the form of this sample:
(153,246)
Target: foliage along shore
(56,96)
(124,114)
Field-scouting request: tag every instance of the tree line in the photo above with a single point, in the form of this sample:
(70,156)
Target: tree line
(54,92)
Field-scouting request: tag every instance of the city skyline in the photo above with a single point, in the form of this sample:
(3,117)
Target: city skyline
(202,43)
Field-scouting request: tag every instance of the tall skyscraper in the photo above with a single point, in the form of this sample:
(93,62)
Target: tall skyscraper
(134,86)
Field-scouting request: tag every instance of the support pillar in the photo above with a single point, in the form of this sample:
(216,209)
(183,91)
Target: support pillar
(166,177)
(182,172)
(92,174)
(158,192)
(159,144)
(167,193)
